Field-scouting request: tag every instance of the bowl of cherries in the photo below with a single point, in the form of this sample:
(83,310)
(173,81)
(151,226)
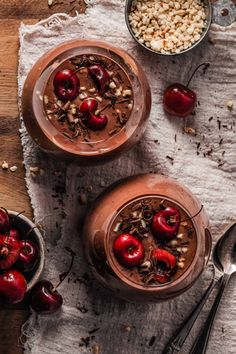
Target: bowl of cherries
(21,256)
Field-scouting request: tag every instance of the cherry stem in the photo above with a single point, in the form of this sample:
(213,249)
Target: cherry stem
(206,65)
(194,216)
(66,273)
(74,72)
(103,108)
(15,217)
(30,230)
(8,216)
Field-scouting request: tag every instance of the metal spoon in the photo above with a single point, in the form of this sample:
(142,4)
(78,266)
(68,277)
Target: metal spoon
(177,342)
(226,254)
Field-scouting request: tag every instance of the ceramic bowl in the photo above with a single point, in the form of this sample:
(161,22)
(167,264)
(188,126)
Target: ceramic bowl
(23,224)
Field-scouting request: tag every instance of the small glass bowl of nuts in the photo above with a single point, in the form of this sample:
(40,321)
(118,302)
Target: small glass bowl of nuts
(167,27)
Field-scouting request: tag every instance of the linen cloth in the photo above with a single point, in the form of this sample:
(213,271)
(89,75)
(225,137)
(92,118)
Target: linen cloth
(204,162)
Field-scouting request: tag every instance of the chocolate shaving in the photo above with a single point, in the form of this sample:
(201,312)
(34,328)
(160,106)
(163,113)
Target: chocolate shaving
(171,159)
(152,341)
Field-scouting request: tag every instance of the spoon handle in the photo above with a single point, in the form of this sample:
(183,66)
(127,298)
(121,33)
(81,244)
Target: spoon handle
(200,344)
(178,340)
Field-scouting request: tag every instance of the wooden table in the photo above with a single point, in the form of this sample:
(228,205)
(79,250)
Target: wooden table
(13,193)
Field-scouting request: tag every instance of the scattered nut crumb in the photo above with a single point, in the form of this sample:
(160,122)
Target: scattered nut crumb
(5,165)
(34,169)
(173,242)
(92,90)
(181,265)
(127,328)
(98,98)
(82,88)
(89,188)
(126,93)
(190,131)
(13,168)
(45,99)
(118,92)
(50,2)
(83,95)
(96,349)
(130,106)
(102,184)
(230,104)
(112,85)
(83,198)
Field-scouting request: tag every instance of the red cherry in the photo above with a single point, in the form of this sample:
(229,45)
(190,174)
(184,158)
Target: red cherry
(29,255)
(92,121)
(164,262)
(179,100)
(96,122)
(4,221)
(14,233)
(165,223)
(66,85)
(100,75)
(160,255)
(13,286)
(45,299)
(161,278)
(9,251)
(88,106)
(129,250)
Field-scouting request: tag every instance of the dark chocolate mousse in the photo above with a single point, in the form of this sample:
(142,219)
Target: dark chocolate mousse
(152,241)
(147,238)
(86,101)
(88,98)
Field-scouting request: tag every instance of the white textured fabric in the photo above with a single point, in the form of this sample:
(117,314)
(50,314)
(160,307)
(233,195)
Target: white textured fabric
(54,195)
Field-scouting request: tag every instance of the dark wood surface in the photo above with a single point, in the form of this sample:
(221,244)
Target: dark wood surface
(13,193)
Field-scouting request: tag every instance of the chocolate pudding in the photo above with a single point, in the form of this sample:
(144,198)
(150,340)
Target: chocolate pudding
(136,219)
(86,101)
(115,101)
(147,238)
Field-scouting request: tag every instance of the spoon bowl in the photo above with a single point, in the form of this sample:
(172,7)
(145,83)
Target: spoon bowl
(226,251)
(224,258)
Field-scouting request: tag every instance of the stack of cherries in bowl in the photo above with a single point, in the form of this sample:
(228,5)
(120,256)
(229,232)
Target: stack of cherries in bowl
(19,257)
(21,264)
